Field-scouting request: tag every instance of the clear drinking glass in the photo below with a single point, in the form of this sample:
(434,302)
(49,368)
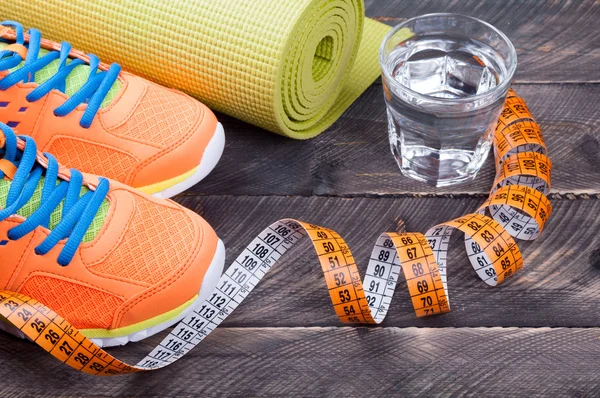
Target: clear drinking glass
(445,79)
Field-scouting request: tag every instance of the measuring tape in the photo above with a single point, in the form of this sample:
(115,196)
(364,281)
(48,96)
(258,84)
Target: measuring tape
(517,208)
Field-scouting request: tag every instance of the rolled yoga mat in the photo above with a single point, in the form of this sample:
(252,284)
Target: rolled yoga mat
(289,66)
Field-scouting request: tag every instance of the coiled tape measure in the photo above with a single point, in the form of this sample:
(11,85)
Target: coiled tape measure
(517,208)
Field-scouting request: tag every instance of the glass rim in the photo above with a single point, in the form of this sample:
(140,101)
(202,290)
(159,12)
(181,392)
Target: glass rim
(446,101)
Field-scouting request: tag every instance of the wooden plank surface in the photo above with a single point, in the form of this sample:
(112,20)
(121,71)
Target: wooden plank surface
(556,41)
(343,362)
(559,285)
(495,342)
(353,157)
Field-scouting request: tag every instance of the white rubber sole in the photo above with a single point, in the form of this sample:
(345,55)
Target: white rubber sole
(210,158)
(212,276)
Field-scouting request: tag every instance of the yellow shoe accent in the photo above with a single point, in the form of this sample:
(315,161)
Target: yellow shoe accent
(161,186)
(138,327)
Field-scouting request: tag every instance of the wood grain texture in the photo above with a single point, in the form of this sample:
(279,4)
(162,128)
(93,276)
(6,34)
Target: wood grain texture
(556,41)
(335,362)
(559,285)
(495,342)
(353,157)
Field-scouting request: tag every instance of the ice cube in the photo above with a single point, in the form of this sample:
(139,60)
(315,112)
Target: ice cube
(445,74)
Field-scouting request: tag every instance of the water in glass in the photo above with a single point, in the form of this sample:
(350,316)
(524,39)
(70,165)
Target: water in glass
(441,147)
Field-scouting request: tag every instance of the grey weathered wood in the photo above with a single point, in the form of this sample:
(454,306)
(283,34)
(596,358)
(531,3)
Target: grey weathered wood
(344,362)
(353,156)
(556,41)
(559,285)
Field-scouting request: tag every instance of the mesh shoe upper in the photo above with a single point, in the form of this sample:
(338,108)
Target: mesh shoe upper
(140,257)
(149,254)
(143,134)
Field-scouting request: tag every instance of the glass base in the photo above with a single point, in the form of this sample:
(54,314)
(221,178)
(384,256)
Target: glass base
(440,168)
(439,182)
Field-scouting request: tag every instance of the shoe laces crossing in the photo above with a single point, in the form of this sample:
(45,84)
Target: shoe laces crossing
(92,93)
(23,167)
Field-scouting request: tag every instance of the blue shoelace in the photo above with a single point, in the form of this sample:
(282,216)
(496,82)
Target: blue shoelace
(92,93)
(78,212)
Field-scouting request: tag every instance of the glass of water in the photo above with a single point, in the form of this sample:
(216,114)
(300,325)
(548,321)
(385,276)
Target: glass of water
(445,80)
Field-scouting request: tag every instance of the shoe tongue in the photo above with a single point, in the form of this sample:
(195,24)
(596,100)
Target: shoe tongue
(74,81)
(36,200)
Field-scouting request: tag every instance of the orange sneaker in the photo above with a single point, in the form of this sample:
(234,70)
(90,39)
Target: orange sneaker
(100,120)
(118,264)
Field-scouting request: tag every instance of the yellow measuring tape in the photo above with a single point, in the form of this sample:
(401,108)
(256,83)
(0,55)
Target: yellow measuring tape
(517,208)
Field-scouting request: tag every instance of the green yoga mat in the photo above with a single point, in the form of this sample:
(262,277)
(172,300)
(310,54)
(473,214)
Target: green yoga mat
(289,66)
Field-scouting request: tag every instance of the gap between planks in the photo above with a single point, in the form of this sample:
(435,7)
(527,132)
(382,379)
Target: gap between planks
(411,195)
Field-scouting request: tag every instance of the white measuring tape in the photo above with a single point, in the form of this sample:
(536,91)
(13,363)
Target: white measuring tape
(517,208)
